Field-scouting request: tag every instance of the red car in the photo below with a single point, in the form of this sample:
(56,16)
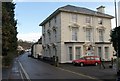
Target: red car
(86,60)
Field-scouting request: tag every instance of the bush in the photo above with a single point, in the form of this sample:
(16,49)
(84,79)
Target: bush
(7,60)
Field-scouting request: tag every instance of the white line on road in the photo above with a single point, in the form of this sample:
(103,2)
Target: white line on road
(80,74)
(26,75)
(21,75)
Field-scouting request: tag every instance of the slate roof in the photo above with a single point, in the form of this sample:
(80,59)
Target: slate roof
(75,9)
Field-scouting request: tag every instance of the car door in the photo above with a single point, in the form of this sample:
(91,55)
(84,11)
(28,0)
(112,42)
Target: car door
(92,60)
(88,61)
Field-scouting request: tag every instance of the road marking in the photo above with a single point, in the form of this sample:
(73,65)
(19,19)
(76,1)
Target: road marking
(79,74)
(21,75)
(26,75)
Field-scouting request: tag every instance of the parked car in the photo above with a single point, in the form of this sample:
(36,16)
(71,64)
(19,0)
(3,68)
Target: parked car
(87,60)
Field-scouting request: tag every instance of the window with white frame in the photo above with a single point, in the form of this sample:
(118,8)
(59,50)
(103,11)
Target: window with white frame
(88,34)
(49,51)
(88,19)
(55,32)
(78,52)
(74,34)
(101,35)
(55,20)
(70,53)
(100,21)
(49,24)
(106,52)
(43,28)
(49,34)
(100,52)
(74,17)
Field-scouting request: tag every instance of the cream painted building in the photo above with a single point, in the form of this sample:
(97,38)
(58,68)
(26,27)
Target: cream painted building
(72,32)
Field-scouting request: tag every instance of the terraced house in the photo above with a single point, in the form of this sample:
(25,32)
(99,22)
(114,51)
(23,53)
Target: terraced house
(72,32)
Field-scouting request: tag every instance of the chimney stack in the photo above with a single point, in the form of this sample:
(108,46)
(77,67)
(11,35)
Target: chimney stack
(101,9)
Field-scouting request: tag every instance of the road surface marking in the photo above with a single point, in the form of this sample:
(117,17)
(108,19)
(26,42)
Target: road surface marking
(26,75)
(21,75)
(79,74)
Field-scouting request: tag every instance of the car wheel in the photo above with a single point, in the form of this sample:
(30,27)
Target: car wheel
(81,64)
(96,64)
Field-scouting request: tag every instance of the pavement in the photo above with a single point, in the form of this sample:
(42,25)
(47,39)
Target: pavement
(13,72)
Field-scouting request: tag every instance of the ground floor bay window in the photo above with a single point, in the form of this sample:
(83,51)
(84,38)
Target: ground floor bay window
(78,52)
(75,50)
(106,52)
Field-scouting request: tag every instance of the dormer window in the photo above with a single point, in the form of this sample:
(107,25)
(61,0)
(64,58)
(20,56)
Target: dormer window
(100,21)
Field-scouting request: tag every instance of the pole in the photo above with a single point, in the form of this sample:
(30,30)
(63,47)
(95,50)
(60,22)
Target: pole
(118,71)
(115,13)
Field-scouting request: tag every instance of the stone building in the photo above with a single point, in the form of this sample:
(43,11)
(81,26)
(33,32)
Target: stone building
(72,32)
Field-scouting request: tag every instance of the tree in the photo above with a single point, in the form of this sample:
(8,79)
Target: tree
(115,38)
(9,31)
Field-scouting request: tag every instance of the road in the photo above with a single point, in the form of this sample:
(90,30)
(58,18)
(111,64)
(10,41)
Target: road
(36,69)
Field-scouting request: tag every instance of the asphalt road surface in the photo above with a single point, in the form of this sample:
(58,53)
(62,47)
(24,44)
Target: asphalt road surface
(36,69)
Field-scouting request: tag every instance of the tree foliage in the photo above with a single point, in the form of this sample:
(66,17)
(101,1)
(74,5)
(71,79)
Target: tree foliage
(9,29)
(115,37)
(25,44)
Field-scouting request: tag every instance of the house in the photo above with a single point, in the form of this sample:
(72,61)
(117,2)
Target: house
(36,49)
(72,32)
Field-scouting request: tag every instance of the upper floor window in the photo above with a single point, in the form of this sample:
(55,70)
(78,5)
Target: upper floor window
(49,37)
(55,20)
(49,24)
(74,17)
(55,34)
(74,34)
(88,19)
(43,28)
(88,34)
(101,35)
(100,21)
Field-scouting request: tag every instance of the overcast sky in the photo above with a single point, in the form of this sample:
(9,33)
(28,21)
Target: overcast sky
(31,14)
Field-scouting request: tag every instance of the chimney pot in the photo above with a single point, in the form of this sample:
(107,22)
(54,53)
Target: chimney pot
(101,9)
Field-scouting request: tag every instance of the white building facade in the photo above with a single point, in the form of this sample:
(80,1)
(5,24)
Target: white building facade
(72,32)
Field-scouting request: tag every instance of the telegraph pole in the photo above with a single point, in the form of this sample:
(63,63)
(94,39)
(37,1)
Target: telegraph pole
(118,59)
